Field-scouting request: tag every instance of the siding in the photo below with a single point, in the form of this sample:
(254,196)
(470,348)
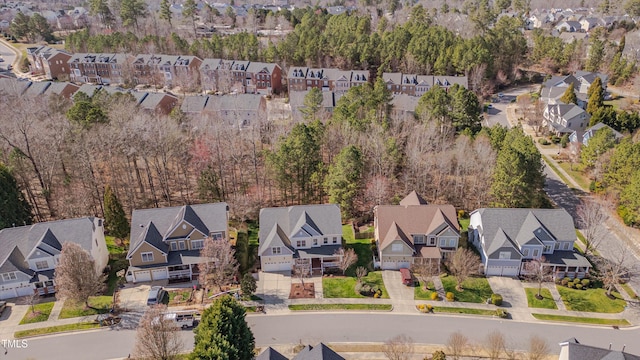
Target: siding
(158,257)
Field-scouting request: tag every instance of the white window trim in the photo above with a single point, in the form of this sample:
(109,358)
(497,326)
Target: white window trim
(45,262)
(505,255)
(9,276)
(276,250)
(197,244)
(142,255)
(396,248)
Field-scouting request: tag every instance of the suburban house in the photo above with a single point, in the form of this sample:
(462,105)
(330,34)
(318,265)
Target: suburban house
(263,78)
(29,254)
(508,238)
(50,62)
(568,26)
(64,89)
(302,235)
(236,110)
(565,118)
(584,137)
(571,349)
(166,242)
(318,352)
(414,231)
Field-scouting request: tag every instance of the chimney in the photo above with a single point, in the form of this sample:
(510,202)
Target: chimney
(623,346)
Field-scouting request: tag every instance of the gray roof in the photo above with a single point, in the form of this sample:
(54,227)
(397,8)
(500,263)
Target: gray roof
(59,87)
(152,100)
(89,89)
(319,352)
(524,226)
(566,258)
(47,237)
(37,88)
(153,225)
(242,102)
(393,78)
(404,102)
(255,67)
(270,354)
(13,86)
(210,64)
(194,104)
(280,224)
(577,351)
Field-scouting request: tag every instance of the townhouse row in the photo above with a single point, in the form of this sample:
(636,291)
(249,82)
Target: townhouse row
(216,75)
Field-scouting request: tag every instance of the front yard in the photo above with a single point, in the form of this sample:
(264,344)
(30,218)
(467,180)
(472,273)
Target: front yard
(475,290)
(420,293)
(344,287)
(40,312)
(547,301)
(591,300)
(99,305)
(362,247)
(179,297)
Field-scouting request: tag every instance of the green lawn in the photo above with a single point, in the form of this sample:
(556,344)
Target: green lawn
(553,167)
(41,313)
(344,287)
(362,247)
(585,320)
(421,294)
(113,247)
(455,310)
(576,174)
(546,302)
(629,290)
(475,290)
(347,233)
(100,305)
(464,224)
(321,307)
(591,300)
(56,329)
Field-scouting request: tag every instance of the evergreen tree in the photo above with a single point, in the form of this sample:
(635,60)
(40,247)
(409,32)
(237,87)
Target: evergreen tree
(115,220)
(312,104)
(20,26)
(596,54)
(165,12)
(569,96)
(601,141)
(595,96)
(190,11)
(101,8)
(14,209)
(630,200)
(223,333)
(39,26)
(131,11)
(344,179)
(248,285)
(465,109)
(435,105)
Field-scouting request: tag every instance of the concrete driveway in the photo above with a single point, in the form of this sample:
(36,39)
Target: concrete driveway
(133,297)
(400,294)
(274,287)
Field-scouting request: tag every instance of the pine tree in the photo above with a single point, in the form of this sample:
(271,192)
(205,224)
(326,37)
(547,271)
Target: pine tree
(248,286)
(596,96)
(165,12)
(569,96)
(312,104)
(189,11)
(115,220)
(344,179)
(14,209)
(223,333)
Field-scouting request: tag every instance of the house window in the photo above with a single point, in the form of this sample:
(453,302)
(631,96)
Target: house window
(535,253)
(182,245)
(396,247)
(335,239)
(41,265)
(418,239)
(197,244)
(326,241)
(301,243)
(505,255)
(443,242)
(452,242)
(525,252)
(432,241)
(276,250)
(9,276)
(315,242)
(547,249)
(174,246)
(147,256)
(217,235)
(99,222)
(565,246)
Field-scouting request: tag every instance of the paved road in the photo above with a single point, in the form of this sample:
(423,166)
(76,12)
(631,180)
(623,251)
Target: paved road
(311,328)
(6,54)
(498,114)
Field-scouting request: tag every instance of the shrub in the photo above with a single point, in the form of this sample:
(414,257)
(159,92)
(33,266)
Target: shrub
(585,282)
(570,285)
(358,287)
(543,141)
(376,295)
(565,281)
(502,314)
(379,292)
(576,281)
(450,296)
(579,286)
(496,299)
(434,296)
(462,214)
(422,307)
(429,308)
(439,355)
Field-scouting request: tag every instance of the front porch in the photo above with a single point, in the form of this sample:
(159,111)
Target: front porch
(317,260)
(564,264)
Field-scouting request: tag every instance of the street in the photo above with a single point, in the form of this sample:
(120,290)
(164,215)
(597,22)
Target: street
(7,55)
(312,328)
(498,113)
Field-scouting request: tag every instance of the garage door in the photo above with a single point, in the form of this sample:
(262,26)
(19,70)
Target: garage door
(8,293)
(502,271)
(144,275)
(159,274)
(276,266)
(389,265)
(404,265)
(25,291)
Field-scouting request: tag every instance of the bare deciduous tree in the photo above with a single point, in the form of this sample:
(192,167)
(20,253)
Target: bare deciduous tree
(457,344)
(535,270)
(495,344)
(157,337)
(348,257)
(361,272)
(591,218)
(462,264)
(302,269)
(76,276)
(424,269)
(220,266)
(399,348)
(538,348)
(617,269)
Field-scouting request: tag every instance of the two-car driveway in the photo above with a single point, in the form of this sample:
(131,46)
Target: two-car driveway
(401,295)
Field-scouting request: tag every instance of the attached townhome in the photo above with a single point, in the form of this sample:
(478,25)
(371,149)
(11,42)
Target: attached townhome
(50,62)
(303,236)
(414,231)
(166,242)
(29,254)
(263,78)
(508,238)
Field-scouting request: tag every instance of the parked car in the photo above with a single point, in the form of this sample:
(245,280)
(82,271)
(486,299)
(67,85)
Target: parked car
(407,277)
(184,319)
(157,295)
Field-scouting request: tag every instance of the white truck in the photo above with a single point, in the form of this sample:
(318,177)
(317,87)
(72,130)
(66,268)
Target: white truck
(185,319)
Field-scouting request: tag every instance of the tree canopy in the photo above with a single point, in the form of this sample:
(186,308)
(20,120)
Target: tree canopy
(344,180)
(569,96)
(114,217)
(14,209)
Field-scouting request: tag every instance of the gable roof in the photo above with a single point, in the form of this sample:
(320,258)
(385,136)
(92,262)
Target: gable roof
(577,351)
(319,352)
(280,224)
(153,225)
(521,225)
(270,354)
(414,219)
(194,104)
(395,233)
(413,199)
(500,242)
